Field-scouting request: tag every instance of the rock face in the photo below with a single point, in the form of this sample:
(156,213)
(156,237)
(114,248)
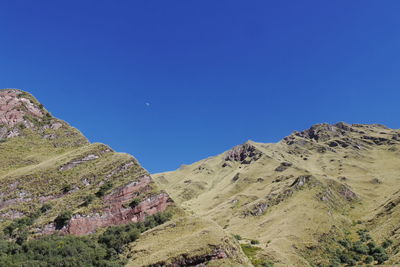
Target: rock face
(115,213)
(245,153)
(14,107)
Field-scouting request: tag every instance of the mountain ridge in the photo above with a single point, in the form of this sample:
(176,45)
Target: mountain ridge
(324,177)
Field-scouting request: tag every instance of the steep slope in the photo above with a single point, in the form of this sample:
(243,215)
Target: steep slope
(44,160)
(301,196)
(53,181)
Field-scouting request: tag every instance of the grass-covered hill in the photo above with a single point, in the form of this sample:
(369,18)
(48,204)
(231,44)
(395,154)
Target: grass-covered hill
(67,202)
(326,196)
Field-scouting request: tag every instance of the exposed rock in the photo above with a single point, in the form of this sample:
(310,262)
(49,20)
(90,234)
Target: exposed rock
(259,209)
(75,163)
(120,169)
(115,213)
(283,166)
(245,153)
(14,108)
(340,135)
(236,177)
(376,181)
(347,193)
(12,214)
(301,181)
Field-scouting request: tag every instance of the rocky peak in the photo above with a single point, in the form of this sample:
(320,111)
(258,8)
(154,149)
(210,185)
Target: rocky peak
(19,110)
(344,135)
(244,153)
(16,106)
(324,131)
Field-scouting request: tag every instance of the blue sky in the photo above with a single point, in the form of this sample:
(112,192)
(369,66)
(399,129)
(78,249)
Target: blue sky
(214,73)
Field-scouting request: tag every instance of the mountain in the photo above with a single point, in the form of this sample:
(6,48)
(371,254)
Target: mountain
(325,196)
(67,202)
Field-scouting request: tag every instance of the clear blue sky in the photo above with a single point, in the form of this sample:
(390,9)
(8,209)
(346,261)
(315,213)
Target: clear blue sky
(215,73)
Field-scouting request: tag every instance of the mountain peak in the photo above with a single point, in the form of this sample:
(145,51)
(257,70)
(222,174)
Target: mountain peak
(344,135)
(18,107)
(22,114)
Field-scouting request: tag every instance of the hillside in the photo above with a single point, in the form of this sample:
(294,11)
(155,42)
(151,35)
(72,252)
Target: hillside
(326,196)
(57,189)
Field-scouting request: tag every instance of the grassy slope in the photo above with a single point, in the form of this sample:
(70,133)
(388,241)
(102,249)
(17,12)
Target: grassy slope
(186,236)
(291,232)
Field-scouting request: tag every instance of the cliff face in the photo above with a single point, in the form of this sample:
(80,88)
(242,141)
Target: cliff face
(114,211)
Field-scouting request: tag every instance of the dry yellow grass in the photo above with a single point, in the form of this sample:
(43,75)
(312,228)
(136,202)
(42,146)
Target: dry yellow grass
(185,237)
(290,231)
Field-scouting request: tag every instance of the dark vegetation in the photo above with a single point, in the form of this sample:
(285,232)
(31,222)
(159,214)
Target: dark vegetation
(62,219)
(71,251)
(251,252)
(362,251)
(104,189)
(87,200)
(134,203)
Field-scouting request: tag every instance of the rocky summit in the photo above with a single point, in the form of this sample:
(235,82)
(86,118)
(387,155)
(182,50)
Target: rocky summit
(325,196)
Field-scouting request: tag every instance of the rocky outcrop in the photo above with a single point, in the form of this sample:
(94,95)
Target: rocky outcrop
(329,137)
(116,213)
(283,166)
(245,153)
(14,108)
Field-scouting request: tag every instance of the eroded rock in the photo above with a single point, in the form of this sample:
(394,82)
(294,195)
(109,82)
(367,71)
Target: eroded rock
(115,213)
(245,154)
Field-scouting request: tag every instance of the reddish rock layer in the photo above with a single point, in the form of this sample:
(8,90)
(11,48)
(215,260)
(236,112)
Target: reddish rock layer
(115,213)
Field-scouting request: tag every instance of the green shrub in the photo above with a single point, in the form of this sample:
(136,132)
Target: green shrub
(380,257)
(87,200)
(387,243)
(254,242)
(66,188)
(62,220)
(368,259)
(104,189)
(69,251)
(345,243)
(134,203)
(237,237)
(46,207)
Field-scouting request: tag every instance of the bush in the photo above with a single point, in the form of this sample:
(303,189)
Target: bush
(104,188)
(237,237)
(46,207)
(345,243)
(116,237)
(368,259)
(62,220)
(71,250)
(254,242)
(134,203)
(66,188)
(387,243)
(87,200)
(380,257)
